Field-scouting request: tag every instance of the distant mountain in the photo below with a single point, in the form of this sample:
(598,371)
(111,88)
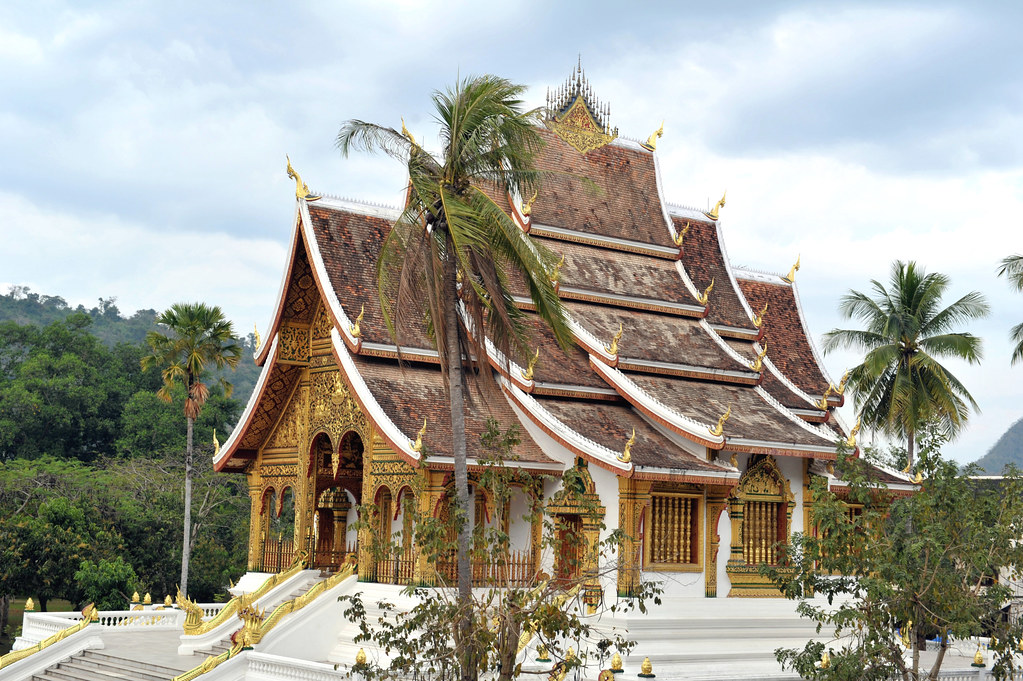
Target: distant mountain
(1008,449)
(24,306)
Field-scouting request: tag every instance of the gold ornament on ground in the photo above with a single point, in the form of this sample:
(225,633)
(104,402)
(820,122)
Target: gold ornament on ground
(616,663)
(646,670)
(360,657)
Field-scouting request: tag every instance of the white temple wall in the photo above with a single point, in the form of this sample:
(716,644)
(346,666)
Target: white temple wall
(605,484)
(792,468)
(519,525)
(724,528)
(351,534)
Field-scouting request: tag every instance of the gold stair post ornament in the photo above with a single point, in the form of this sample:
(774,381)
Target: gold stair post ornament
(612,349)
(758,318)
(825,662)
(541,653)
(651,142)
(528,373)
(978,658)
(147,599)
(135,597)
(356,329)
(758,363)
(646,670)
(360,657)
(30,605)
(719,429)
(713,214)
(705,296)
(680,237)
(417,446)
(791,276)
(301,188)
(167,601)
(626,455)
(616,664)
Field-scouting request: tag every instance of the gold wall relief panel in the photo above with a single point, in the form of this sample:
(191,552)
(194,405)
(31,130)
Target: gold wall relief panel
(333,409)
(634,497)
(322,324)
(290,427)
(293,344)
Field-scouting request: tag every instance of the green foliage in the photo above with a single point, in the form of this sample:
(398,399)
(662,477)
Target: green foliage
(109,583)
(922,563)
(152,427)
(1011,268)
(900,384)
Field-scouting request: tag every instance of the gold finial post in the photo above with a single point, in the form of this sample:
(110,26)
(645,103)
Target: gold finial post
(612,349)
(356,329)
(255,332)
(528,373)
(541,654)
(713,214)
(360,657)
(147,599)
(825,662)
(719,429)
(681,235)
(978,658)
(651,142)
(616,664)
(705,296)
(791,276)
(626,455)
(417,446)
(301,188)
(135,597)
(30,605)
(167,602)
(758,363)
(758,318)
(646,670)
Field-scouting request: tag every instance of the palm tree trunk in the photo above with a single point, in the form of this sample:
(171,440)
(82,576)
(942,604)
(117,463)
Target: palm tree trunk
(910,446)
(457,402)
(186,544)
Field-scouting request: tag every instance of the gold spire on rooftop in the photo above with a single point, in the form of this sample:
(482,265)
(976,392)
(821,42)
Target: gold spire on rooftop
(575,115)
(791,276)
(719,429)
(713,214)
(651,142)
(301,188)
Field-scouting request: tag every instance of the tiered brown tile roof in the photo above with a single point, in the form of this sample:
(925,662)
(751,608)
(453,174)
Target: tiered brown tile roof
(704,261)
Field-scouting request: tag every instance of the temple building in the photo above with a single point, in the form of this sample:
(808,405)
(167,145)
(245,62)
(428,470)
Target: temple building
(693,404)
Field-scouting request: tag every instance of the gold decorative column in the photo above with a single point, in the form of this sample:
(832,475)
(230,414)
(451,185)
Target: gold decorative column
(255,521)
(633,498)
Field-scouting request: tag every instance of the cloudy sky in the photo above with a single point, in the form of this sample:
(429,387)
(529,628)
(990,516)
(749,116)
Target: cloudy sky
(143,144)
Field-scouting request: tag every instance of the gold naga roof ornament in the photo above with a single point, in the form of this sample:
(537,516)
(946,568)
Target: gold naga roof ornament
(918,479)
(527,206)
(612,348)
(733,461)
(705,296)
(417,446)
(830,468)
(626,455)
(840,390)
(681,235)
(356,328)
(719,429)
(791,276)
(556,273)
(713,214)
(758,317)
(255,332)
(301,188)
(216,443)
(851,440)
(408,135)
(758,363)
(651,142)
(577,117)
(528,373)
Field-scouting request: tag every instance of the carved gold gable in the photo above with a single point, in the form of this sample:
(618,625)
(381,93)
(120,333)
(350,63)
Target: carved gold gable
(578,127)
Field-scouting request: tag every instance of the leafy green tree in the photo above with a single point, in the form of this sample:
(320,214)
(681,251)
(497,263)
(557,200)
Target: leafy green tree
(1012,269)
(199,338)
(152,427)
(896,572)
(900,384)
(452,231)
(107,583)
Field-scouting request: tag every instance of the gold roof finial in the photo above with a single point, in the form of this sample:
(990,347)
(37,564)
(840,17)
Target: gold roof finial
(758,363)
(719,429)
(360,657)
(612,349)
(528,373)
(758,317)
(616,663)
(356,328)
(527,206)
(713,214)
(216,443)
(556,274)
(681,235)
(255,332)
(417,446)
(851,440)
(705,296)
(301,188)
(791,276)
(626,455)
(651,142)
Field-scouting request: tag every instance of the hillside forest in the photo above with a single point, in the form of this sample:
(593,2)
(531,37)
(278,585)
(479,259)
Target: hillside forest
(91,462)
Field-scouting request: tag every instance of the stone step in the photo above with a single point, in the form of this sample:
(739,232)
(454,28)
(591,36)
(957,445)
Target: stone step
(140,666)
(103,669)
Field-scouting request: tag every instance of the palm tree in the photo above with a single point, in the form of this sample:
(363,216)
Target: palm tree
(200,338)
(448,256)
(1012,269)
(901,384)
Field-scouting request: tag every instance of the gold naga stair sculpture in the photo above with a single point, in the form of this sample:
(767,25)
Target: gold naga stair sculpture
(89,615)
(256,624)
